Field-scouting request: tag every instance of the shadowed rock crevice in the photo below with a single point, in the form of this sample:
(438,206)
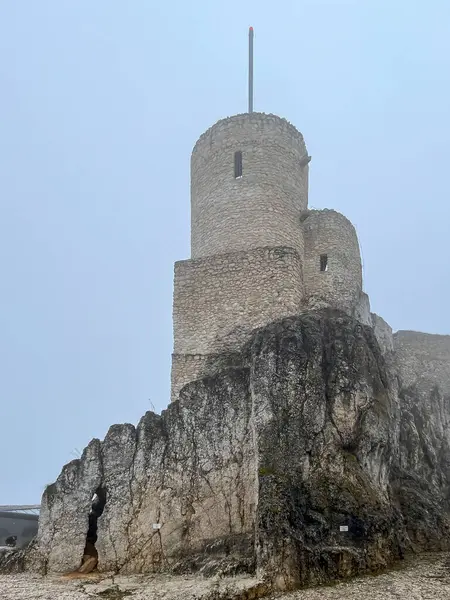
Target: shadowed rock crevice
(90,554)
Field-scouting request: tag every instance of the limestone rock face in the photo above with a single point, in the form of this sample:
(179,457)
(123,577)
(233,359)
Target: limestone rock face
(304,458)
(423,475)
(326,447)
(180,489)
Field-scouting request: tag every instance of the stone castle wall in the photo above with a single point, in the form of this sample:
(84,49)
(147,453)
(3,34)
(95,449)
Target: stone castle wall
(327,232)
(218,299)
(186,368)
(423,359)
(262,208)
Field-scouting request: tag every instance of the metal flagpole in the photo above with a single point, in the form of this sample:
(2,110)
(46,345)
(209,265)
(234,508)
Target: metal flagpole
(250,70)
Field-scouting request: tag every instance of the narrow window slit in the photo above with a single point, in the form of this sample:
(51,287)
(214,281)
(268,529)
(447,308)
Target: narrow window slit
(324,262)
(238,165)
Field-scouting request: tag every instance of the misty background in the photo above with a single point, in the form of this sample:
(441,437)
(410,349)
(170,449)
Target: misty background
(100,105)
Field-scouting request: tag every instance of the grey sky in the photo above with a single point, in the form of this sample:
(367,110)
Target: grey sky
(100,105)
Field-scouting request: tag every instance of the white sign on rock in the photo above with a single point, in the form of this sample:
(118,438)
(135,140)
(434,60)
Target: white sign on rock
(343,528)
(156,525)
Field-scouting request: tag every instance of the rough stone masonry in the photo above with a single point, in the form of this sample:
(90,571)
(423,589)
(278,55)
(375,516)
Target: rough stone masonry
(258,253)
(304,442)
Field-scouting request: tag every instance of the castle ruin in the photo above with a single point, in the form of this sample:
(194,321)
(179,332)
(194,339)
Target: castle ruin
(304,441)
(257,253)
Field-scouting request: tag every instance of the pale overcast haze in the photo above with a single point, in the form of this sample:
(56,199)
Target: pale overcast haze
(101,103)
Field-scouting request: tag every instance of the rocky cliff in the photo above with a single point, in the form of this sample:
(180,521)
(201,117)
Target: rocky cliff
(304,458)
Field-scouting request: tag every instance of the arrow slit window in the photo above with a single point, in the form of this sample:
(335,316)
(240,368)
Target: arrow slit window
(324,262)
(238,165)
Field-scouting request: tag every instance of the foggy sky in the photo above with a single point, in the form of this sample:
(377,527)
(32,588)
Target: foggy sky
(101,103)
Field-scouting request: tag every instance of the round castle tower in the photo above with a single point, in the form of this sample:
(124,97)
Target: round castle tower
(332,270)
(249,185)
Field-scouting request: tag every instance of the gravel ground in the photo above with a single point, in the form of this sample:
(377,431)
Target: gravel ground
(423,578)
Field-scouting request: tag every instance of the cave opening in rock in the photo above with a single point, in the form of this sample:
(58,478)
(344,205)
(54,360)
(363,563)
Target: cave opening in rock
(90,554)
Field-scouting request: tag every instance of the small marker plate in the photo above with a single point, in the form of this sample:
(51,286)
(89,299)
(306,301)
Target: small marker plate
(156,525)
(343,528)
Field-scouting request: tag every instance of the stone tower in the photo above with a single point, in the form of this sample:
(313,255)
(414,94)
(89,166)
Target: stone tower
(249,185)
(257,253)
